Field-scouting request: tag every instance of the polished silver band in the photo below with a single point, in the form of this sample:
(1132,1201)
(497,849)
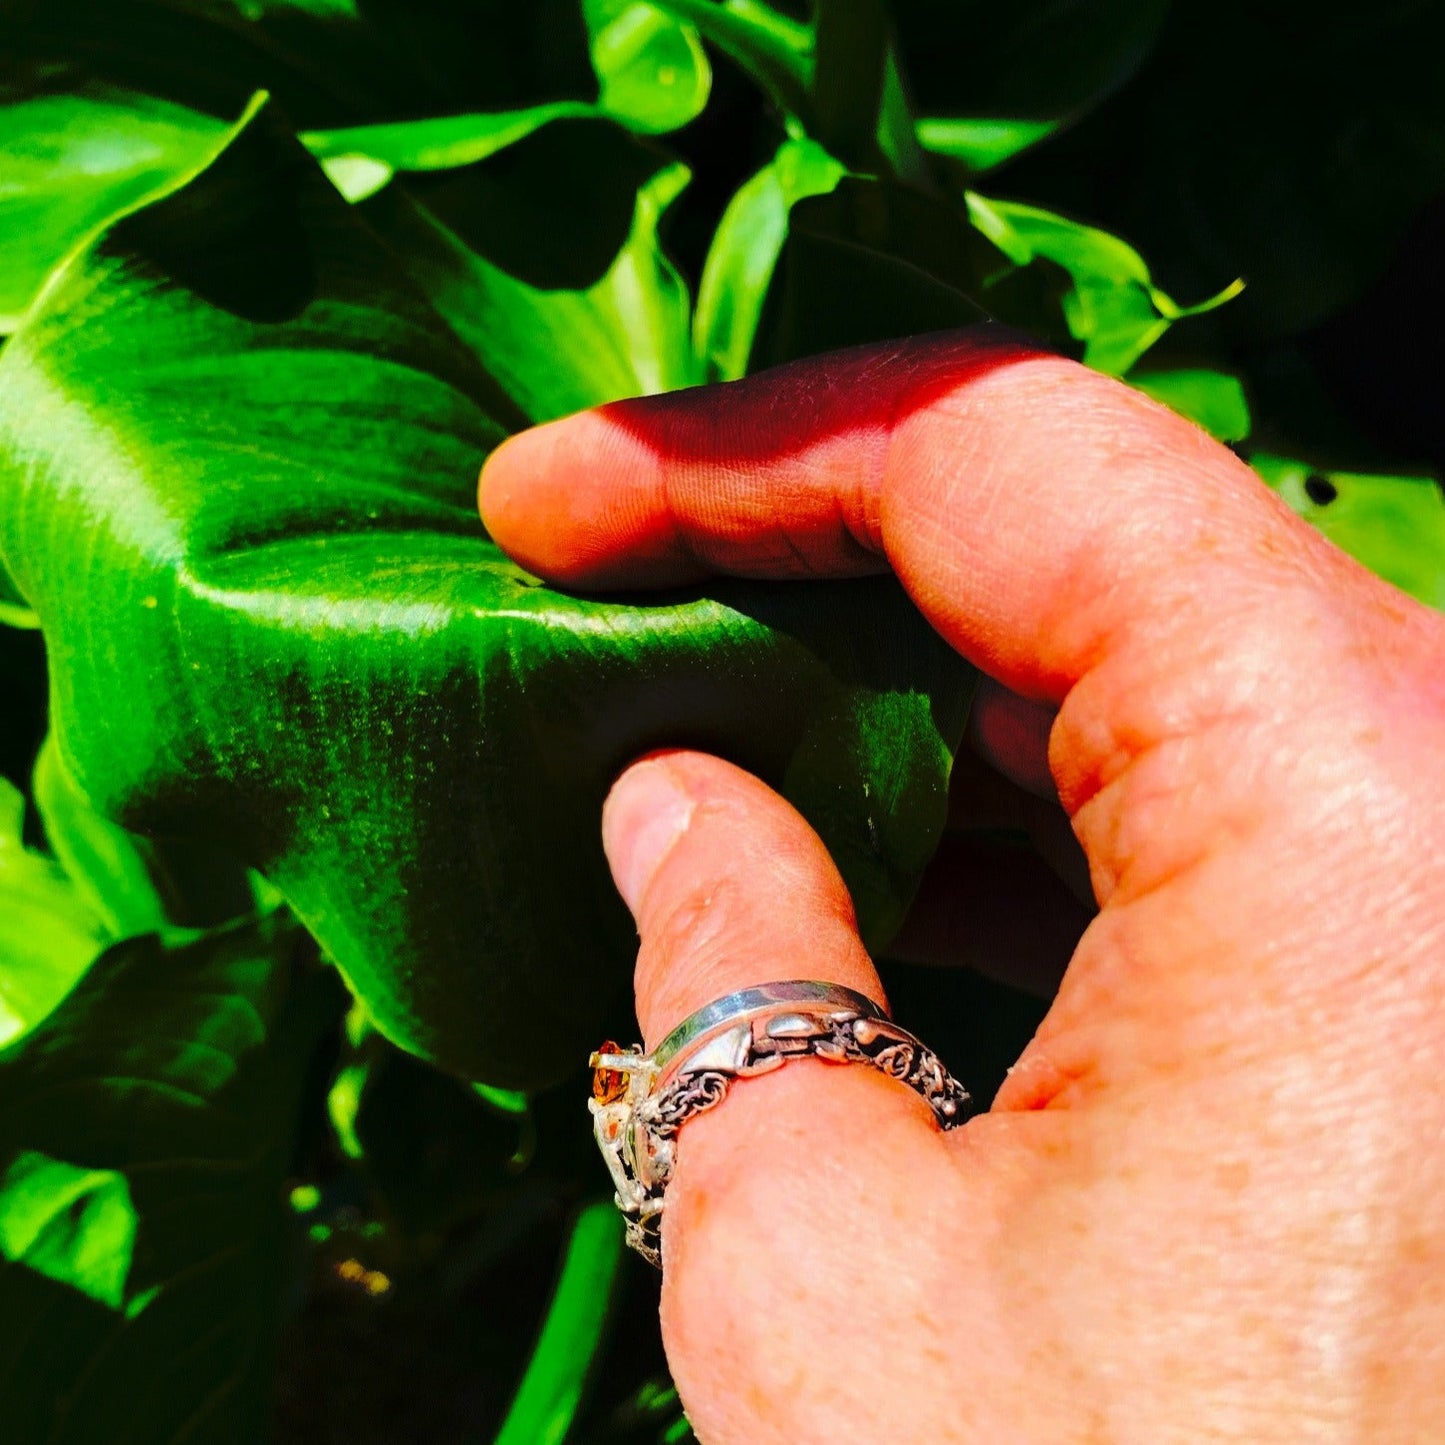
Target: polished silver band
(652,1096)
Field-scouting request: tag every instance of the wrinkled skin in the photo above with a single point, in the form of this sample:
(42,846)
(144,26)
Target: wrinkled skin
(1209,1202)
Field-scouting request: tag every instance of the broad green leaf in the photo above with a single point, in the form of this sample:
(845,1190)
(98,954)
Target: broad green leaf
(547,1400)
(1394,525)
(1113,306)
(1214,400)
(653,71)
(238,451)
(980,143)
(49,933)
(73,163)
(145,1130)
(745,249)
(556,350)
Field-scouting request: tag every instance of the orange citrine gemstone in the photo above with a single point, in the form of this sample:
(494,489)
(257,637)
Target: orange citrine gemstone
(608,1085)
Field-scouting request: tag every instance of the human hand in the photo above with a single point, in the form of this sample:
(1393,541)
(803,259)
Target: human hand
(1209,1201)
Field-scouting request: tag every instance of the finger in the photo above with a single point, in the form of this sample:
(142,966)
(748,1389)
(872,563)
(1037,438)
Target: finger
(1039,513)
(1012,734)
(1095,553)
(785,1208)
(728,885)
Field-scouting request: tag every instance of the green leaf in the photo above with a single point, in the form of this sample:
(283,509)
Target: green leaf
(745,250)
(1113,306)
(74,163)
(624,335)
(547,1400)
(238,451)
(776,50)
(136,885)
(653,70)
(1214,400)
(145,1130)
(434,144)
(980,143)
(654,78)
(14,610)
(1394,525)
(49,933)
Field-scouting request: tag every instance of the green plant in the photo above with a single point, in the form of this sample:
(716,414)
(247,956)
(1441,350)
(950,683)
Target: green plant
(277,275)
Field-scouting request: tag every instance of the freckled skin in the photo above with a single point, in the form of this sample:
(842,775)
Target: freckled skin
(1206,1205)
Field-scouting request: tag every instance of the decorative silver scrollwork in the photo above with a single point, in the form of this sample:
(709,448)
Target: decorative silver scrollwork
(748,1033)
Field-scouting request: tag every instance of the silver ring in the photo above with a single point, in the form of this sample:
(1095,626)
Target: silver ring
(641,1101)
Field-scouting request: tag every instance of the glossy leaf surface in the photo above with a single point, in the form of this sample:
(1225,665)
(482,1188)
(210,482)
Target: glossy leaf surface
(238,451)
(145,1127)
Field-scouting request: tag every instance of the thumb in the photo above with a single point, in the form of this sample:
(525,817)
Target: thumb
(807,1215)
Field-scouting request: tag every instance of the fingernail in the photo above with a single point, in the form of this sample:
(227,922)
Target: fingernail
(646,813)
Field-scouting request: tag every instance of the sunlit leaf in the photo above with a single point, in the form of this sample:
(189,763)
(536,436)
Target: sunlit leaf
(1214,400)
(73,163)
(263,441)
(1113,306)
(547,1400)
(775,49)
(653,71)
(1394,525)
(49,932)
(145,1128)
(437,143)
(625,335)
(981,143)
(745,250)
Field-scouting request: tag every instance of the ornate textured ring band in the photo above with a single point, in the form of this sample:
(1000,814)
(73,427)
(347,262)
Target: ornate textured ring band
(640,1101)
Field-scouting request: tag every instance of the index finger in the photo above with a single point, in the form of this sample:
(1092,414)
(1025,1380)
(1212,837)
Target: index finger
(1035,510)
